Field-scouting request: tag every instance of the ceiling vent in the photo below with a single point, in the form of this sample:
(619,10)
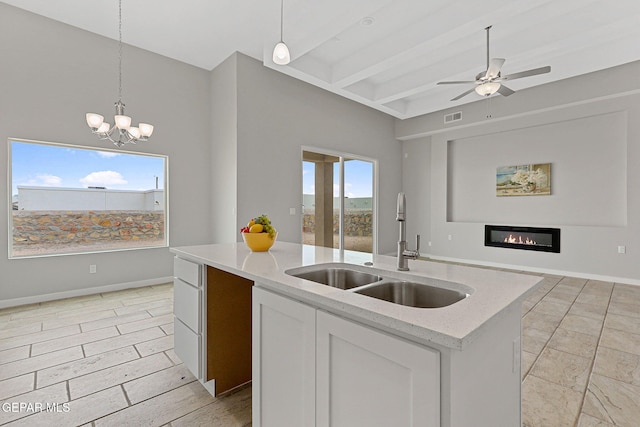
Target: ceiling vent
(453,117)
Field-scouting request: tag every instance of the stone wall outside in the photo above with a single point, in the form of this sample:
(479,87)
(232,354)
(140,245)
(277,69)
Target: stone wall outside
(358,222)
(85,227)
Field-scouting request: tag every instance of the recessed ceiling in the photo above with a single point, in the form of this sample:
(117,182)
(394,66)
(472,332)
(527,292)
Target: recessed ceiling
(386,54)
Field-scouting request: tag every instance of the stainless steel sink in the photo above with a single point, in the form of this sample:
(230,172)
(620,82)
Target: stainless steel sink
(412,294)
(374,283)
(337,277)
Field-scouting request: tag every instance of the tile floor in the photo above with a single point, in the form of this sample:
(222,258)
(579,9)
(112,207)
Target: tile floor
(110,358)
(581,354)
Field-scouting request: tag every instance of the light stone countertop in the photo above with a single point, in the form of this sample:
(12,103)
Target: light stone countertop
(491,292)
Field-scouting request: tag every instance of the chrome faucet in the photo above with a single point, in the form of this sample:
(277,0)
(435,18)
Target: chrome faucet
(404,254)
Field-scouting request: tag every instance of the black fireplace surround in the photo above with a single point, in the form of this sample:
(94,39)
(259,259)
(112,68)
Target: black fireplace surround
(527,238)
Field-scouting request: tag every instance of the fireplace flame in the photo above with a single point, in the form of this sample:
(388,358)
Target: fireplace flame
(518,240)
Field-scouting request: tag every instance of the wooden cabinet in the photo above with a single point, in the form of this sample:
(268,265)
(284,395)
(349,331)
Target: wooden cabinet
(366,377)
(284,333)
(312,368)
(228,330)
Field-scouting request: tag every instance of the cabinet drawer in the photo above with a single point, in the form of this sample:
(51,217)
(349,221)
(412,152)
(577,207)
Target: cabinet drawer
(187,346)
(187,271)
(186,304)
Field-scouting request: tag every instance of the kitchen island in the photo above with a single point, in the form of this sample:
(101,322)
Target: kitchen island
(327,356)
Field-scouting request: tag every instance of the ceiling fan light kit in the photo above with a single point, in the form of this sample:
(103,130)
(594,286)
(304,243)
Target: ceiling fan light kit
(489,82)
(281,55)
(487,89)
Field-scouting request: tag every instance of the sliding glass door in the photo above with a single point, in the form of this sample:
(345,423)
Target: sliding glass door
(338,201)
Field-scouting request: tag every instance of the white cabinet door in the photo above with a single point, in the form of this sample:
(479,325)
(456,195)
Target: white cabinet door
(187,310)
(188,271)
(187,305)
(187,346)
(283,361)
(368,378)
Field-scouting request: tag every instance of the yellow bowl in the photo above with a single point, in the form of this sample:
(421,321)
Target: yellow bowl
(259,242)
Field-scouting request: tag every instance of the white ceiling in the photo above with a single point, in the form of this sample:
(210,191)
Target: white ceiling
(391,65)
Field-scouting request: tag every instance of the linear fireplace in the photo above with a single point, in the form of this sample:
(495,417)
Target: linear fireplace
(527,238)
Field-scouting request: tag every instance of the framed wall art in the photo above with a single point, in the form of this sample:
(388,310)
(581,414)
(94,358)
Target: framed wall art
(524,180)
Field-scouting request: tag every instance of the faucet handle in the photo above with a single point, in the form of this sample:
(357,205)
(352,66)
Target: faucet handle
(418,243)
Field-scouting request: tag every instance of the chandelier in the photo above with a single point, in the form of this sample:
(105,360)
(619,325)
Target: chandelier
(122,132)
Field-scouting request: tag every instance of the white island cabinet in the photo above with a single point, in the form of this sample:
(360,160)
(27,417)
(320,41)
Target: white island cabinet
(313,368)
(322,356)
(284,361)
(187,310)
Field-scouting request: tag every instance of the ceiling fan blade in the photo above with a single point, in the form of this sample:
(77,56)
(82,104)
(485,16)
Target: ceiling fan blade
(494,68)
(464,94)
(457,82)
(521,74)
(505,91)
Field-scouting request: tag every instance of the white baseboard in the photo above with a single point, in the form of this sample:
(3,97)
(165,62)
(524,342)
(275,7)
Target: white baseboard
(81,292)
(625,280)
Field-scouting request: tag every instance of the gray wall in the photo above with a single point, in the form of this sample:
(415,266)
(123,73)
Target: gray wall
(51,75)
(588,127)
(416,183)
(233,136)
(224,166)
(276,116)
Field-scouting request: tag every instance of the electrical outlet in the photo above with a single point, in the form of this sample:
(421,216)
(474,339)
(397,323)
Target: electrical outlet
(92,269)
(450,237)
(622,249)
(292,211)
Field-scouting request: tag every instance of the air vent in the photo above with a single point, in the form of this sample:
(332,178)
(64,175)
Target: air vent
(453,117)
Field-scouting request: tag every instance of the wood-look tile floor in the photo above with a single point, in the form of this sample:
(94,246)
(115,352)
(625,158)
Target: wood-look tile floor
(105,360)
(110,358)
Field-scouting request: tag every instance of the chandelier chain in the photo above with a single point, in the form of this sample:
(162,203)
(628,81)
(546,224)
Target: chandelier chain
(120,50)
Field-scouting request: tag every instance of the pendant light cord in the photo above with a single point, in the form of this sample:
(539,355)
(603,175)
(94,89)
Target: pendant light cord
(281,20)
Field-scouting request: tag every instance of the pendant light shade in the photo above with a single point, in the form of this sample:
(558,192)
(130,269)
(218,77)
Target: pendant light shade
(281,55)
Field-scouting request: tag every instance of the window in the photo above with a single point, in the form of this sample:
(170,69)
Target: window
(68,199)
(338,201)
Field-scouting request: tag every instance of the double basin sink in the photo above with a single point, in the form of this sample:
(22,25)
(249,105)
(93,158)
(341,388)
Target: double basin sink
(367,281)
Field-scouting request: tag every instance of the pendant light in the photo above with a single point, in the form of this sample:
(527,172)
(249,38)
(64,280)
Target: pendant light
(122,133)
(281,54)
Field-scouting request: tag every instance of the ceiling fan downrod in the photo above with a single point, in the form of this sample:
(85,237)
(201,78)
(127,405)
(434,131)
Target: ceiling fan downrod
(488,28)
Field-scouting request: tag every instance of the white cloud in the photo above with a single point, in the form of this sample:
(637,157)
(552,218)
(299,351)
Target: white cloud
(103,179)
(107,154)
(347,186)
(45,180)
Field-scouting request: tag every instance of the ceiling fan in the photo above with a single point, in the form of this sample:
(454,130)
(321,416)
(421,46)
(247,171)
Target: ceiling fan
(489,82)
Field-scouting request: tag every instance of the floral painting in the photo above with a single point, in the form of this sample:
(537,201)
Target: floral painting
(524,180)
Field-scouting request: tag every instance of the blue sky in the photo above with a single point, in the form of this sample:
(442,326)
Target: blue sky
(62,166)
(358,178)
